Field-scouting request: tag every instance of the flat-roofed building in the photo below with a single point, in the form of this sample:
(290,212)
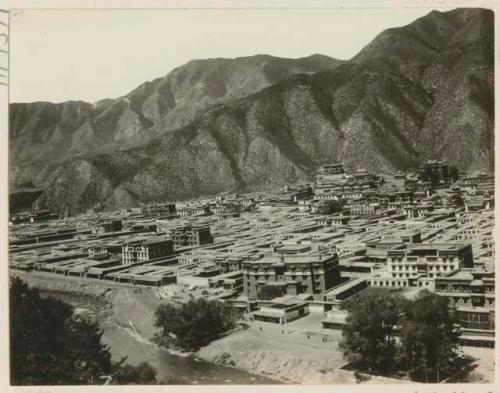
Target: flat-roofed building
(473,179)
(282,312)
(224,208)
(104,248)
(38,216)
(191,235)
(414,260)
(415,211)
(292,194)
(331,169)
(202,210)
(333,221)
(312,273)
(332,181)
(145,250)
(292,248)
(229,264)
(242,201)
(436,172)
(108,226)
(159,209)
(346,289)
(468,288)
(150,274)
(327,206)
(368,209)
(472,293)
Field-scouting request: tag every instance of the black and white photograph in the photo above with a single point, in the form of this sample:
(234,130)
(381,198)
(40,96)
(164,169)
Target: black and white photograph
(248,196)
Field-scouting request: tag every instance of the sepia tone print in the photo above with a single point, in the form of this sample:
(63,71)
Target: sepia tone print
(246,217)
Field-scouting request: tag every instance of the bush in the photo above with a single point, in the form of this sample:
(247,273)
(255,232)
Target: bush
(193,324)
(142,374)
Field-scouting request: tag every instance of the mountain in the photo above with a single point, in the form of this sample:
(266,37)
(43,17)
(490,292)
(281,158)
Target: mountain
(40,129)
(450,56)
(21,200)
(417,92)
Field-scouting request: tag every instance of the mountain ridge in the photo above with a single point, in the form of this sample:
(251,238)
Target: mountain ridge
(154,107)
(397,103)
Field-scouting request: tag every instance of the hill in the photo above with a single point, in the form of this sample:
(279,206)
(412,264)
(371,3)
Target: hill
(417,92)
(40,129)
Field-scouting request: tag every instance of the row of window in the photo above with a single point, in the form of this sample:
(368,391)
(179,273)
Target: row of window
(389,283)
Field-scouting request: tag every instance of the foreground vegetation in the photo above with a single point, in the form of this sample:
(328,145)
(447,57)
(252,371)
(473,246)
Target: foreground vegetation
(50,345)
(388,335)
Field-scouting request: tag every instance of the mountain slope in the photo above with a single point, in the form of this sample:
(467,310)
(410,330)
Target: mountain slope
(39,129)
(450,55)
(421,91)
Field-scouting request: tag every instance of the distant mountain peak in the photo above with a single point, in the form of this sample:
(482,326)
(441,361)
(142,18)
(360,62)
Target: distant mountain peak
(158,106)
(416,92)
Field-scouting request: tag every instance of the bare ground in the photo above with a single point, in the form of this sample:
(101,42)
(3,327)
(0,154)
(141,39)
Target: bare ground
(294,354)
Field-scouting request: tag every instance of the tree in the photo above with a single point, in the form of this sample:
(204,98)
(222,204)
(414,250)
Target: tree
(193,324)
(142,374)
(268,292)
(36,334)
(429,338)
(436,199)
(454,173)
(87,359)
(51,346)
(457,200)
(429,335)
(368,337)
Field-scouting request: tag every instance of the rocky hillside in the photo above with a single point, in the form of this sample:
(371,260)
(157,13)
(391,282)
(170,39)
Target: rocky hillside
(450,56)
(39,130)
(421,91)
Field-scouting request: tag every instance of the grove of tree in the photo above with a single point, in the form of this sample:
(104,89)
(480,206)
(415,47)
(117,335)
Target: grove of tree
(194,324)
(429,339)
(386,334)
(369,336)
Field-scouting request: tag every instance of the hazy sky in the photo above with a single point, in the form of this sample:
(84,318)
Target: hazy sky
(90,55)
